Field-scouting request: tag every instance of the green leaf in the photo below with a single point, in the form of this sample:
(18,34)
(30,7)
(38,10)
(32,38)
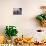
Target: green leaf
(45,16)
(40,18)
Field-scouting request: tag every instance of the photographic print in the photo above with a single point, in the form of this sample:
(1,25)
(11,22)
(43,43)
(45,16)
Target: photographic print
(17,11)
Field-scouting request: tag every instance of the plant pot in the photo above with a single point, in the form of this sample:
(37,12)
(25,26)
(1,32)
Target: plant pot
(9,41)
(13,38)
(43,23)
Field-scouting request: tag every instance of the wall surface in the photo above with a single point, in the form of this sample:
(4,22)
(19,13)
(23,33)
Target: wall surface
(25,23)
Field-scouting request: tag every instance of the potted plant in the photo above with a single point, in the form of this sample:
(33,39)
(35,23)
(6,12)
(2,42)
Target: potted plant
(42,17)
(10,31)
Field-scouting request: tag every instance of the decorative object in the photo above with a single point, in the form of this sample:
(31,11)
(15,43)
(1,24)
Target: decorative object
(10,31)
(17,11)
(42,17)
(37,43)
(39,30)
(23,40)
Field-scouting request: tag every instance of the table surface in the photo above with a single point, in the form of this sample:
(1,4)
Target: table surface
(30,45)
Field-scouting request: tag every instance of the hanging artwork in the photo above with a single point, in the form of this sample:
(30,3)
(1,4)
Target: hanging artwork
(17,11)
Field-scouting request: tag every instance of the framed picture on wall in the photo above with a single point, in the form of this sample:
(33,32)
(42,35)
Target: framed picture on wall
(17,11)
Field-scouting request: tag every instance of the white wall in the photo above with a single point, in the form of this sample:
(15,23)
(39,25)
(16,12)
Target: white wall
(26,22)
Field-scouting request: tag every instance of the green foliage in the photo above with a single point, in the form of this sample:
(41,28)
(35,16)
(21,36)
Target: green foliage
(11,31)
(45,17)
(41,17)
